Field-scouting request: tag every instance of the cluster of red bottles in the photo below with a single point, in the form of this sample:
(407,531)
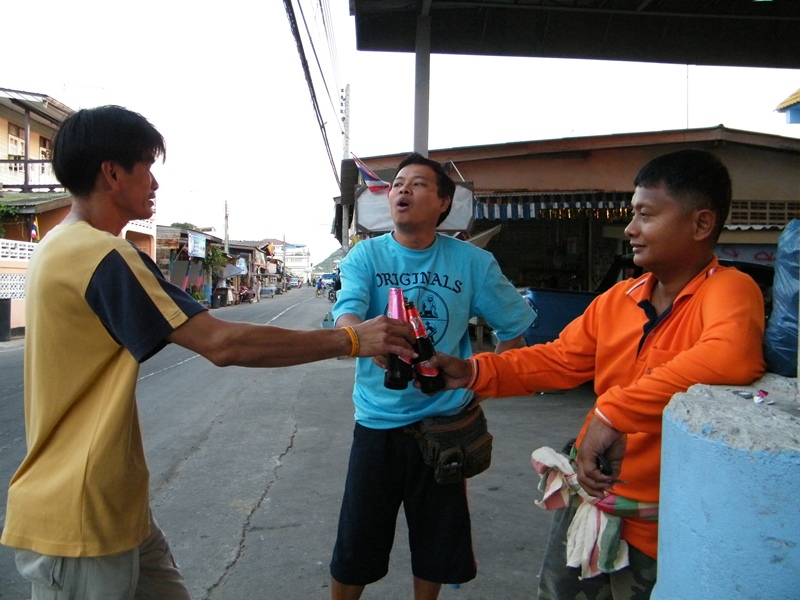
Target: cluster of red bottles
(399,370)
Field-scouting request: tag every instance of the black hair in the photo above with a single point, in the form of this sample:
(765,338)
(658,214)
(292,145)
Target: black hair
(89,137)
(696,178)
(446,186)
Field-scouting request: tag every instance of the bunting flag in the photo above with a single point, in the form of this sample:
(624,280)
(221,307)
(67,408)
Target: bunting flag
(35,229)
(372,181)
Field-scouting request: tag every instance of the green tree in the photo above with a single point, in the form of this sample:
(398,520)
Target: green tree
(185,226)
(214,262)
(6,212)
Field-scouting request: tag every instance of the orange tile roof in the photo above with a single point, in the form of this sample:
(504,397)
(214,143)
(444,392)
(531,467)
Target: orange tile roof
(789,102)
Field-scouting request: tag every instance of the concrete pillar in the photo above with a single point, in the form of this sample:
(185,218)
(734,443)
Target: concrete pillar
(729,517)
(422,84)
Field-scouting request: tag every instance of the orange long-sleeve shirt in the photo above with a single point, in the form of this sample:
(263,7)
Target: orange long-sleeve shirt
(713,334)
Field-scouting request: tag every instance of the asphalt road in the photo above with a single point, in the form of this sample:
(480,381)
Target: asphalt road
(247,470)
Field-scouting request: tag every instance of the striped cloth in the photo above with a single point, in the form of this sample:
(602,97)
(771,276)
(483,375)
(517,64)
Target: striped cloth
(594,542)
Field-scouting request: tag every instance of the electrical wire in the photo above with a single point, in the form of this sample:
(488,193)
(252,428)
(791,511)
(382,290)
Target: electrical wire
(316,58)
(330,36)
(298,41)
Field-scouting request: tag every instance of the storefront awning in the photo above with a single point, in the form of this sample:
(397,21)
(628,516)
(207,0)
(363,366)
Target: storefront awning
(601,205)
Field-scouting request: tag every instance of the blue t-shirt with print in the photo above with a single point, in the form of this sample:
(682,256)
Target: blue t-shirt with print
(449,282)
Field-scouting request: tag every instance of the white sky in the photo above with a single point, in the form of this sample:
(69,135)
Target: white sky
(223,82)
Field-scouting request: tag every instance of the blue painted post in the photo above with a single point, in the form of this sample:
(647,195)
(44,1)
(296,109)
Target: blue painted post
(729,516)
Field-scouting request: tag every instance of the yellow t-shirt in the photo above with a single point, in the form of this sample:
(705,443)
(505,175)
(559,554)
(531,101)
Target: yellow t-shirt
(96,307)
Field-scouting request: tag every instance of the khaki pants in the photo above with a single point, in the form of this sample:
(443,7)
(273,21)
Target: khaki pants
(145,573)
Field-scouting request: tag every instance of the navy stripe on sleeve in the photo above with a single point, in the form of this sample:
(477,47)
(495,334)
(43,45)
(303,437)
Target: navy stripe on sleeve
(126,310)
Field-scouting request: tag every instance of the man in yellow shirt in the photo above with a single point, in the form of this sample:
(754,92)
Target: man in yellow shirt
(78,507)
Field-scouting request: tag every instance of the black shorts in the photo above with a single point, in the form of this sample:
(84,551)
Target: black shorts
(385,471)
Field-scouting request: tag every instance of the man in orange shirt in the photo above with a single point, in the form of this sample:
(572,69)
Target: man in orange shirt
(687,320)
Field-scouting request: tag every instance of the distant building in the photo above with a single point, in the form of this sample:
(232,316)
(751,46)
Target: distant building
(791,106)
(32,201)
(559,207)
(295,257)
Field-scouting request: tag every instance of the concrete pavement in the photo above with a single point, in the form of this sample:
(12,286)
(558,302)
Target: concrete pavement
(288,540)
(287,529)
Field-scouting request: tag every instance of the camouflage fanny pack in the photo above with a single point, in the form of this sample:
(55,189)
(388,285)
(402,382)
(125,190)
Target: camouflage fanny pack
(455,447)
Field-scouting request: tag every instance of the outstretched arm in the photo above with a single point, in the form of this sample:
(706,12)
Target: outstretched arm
(249,345)
(350,320)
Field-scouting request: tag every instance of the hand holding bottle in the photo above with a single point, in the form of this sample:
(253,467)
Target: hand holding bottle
(429,378)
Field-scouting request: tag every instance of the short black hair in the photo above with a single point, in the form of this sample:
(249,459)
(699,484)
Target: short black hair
(89,137)
(696,178)
(445,185)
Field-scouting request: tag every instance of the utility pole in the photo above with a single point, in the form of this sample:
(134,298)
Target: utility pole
(422,81)
(345,111)
(284,262)
(226,227)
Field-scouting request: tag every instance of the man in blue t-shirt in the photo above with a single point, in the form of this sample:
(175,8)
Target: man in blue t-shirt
(449,281)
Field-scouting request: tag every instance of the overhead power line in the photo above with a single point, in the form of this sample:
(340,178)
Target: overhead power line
(330,36)
(296,34)
(316,58)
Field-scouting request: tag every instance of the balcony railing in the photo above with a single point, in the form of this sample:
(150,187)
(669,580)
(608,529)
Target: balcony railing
(15,251)
(28,176)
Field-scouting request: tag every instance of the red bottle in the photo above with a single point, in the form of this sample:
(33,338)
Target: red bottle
(430,379)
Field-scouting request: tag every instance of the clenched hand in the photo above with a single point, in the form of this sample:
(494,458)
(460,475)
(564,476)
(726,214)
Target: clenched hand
(600,439)
(457,372)
(383,335)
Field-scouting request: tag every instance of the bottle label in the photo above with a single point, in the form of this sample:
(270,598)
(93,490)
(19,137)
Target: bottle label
(426,371)
(418,325)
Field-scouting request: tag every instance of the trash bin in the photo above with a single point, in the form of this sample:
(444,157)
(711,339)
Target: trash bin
(219,298)
(5,319)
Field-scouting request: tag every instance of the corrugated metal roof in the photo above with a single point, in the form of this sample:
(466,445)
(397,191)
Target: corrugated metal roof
(42,107)
(740,33)
(34,201)
(247,243)
(559,146)
(790,101)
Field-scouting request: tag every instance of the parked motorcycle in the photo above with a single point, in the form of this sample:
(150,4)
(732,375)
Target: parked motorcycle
(246,295)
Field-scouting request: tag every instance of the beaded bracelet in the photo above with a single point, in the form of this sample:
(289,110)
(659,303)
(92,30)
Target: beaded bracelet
(354,341)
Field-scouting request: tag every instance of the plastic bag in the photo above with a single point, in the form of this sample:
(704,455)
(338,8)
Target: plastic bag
(780,338)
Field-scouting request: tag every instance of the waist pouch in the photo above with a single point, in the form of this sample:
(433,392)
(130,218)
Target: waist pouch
(455,447)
